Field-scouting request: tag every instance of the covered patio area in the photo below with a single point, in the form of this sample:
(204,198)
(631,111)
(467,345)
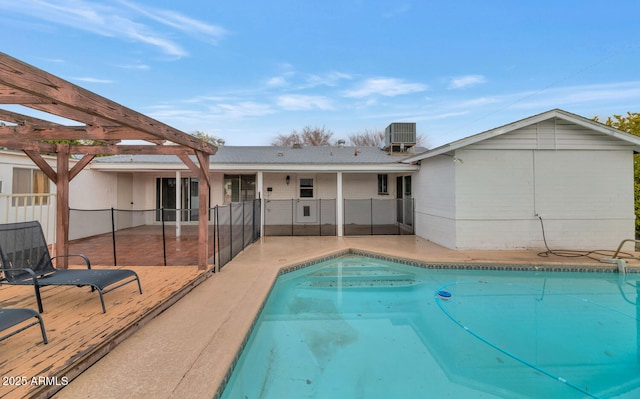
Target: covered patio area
(148,239)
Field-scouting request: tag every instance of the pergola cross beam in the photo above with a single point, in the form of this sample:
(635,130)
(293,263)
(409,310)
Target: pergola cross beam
(30,80)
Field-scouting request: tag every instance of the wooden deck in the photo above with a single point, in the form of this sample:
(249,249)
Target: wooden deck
(79,333)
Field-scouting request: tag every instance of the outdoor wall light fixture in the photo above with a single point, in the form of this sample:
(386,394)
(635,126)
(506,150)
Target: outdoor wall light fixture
(287,179)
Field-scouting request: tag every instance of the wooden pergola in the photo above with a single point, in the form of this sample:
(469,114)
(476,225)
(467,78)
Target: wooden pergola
(103,124)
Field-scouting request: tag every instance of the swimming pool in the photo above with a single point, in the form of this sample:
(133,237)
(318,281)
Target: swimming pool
(358,327)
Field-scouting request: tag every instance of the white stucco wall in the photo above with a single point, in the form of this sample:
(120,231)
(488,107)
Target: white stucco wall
(91,196)
(584,197)
(217,188)
(435,205)
(364,205)
(279,189)
(364,186)
(144,190)
(283,205)
(355,186)
(93,190)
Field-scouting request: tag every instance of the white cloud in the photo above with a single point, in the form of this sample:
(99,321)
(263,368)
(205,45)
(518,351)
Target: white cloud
(204,99)
(399,9)
(198,118)
(388,87)
(617,91)
(242,109)
(166,112)
(300,80)
(92,80)
(444,116)
(167,46)
(212,33)
(330,79)
(277,81)
(141,67)
(466,81)
(301,102)
(478,102)
(124,23)
(557,97)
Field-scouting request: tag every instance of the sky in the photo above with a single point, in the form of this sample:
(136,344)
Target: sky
(248,71)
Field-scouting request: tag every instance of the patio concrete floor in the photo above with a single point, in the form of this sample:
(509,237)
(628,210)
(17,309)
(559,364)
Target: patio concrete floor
(186,351)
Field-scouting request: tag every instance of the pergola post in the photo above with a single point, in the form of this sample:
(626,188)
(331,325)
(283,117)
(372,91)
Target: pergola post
(203,212)
(202,171)
(62,205)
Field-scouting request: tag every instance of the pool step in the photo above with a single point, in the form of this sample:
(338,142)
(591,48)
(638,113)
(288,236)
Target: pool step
(358,277)
(357,271)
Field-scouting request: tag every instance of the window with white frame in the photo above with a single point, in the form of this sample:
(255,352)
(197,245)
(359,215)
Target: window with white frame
(383,186)
(306,188)
(29,181)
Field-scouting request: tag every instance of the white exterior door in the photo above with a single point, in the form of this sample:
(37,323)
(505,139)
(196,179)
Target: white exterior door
(307,206)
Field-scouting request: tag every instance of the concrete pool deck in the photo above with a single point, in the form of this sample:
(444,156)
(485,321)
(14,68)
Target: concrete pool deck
(186,351)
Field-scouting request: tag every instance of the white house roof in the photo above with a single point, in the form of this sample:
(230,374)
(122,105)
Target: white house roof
(271,158)
(555,113)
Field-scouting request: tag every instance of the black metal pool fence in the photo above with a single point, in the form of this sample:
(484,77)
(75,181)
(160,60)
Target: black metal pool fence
(162,236)
(169,237)
(318,217)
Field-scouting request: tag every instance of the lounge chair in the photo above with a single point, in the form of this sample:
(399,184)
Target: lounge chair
(13,317)
(26,261)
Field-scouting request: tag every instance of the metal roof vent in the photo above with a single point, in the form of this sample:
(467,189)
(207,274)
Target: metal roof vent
(400,136)
(341,143)
(296,145)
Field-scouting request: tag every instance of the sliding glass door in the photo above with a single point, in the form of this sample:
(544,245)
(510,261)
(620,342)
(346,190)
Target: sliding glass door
(166,198)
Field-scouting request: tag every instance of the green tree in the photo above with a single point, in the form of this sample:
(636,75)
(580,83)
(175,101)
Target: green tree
(78,143)
(209,138)
(630,124)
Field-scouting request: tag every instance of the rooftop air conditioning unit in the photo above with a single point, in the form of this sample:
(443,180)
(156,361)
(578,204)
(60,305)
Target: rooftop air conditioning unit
(400,136)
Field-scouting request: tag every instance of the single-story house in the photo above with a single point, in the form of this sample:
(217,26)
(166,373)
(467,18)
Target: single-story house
(554,176)
(301,186)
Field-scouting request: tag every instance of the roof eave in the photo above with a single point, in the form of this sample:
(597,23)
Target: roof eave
(555,113)
(377,168)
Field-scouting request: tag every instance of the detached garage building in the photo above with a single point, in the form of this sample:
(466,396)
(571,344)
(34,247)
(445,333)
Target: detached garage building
(499,189)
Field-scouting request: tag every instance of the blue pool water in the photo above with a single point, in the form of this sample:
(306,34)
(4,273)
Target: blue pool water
(355,327)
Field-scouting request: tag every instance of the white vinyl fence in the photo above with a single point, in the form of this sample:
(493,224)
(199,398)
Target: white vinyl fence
(26,207)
